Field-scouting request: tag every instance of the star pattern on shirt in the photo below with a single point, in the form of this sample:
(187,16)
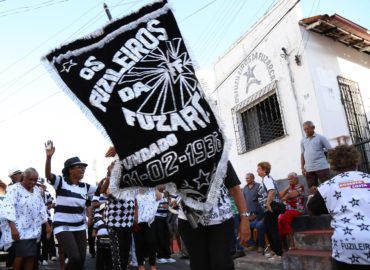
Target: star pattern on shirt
(345,220)
(347,230)
(331,211)
(365,175)
(367,254)
(363,227)
(343,208)
(354,258)
(335,243)
(336,254)
(358,216)
(337,194)
(325,199)
(354,202)
(345,174)
(331,181)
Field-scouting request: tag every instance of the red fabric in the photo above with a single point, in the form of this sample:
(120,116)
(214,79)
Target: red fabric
(285,222)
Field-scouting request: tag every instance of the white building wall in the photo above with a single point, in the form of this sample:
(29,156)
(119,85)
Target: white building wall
(327,60)
(315,84)
(284,154)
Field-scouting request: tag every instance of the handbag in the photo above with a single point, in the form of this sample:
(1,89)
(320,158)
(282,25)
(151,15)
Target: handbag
(278,207)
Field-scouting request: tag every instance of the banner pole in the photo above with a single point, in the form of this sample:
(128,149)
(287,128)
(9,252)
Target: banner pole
(107,11)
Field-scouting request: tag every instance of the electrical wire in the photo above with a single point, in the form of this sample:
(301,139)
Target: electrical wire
(30,8)
(30,107)
(254,47)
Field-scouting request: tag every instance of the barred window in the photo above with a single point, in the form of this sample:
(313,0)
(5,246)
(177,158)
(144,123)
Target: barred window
(258,119)
(262,123)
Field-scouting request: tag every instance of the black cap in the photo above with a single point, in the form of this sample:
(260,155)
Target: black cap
(73,161)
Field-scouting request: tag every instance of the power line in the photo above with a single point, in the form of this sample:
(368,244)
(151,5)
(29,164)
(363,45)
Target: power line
(258,43)
(197,11)
(217,44)
(9,67)
(29,108)
(30,8)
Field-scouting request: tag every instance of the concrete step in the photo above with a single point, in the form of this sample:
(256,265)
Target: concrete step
(301,259)
(308,223)
(314,240)
(256,261)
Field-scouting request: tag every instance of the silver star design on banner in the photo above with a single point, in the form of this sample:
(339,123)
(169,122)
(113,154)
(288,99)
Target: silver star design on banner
(67,66)
(202,179)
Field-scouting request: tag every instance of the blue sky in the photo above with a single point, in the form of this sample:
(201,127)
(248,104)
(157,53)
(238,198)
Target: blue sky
(32,107)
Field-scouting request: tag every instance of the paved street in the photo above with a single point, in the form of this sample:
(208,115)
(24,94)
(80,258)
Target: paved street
(90,265)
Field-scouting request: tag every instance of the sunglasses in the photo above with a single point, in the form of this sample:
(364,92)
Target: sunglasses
(79,166)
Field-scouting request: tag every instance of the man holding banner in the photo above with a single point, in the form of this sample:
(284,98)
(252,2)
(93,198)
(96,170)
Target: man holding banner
(135,81)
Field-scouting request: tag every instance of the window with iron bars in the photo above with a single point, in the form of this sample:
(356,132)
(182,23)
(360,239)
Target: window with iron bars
(261,123)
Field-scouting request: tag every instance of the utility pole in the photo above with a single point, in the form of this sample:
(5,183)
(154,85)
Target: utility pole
(106,8)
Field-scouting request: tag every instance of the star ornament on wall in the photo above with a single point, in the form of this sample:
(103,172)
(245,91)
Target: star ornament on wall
(67,66)
(202,179)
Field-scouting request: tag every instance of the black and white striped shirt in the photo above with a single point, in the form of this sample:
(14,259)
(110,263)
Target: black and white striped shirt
(70,205)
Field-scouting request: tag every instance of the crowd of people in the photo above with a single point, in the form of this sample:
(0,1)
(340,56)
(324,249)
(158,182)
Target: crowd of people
(130,231)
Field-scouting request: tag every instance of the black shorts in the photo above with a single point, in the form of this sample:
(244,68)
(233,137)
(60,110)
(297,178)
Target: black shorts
(25,248)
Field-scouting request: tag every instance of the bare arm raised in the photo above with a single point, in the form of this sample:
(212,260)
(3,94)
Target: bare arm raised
(50,150)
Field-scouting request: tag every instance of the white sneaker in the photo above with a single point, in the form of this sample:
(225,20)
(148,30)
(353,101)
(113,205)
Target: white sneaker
(54,259)
(170,260)
(269,254)
(162,260)
(134,264)
(44,262)
(275,258)
(66,261)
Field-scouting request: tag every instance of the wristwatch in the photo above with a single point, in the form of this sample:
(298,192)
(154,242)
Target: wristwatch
(245,214)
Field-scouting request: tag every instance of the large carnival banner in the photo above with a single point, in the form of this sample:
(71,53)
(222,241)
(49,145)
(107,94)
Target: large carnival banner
(135,80)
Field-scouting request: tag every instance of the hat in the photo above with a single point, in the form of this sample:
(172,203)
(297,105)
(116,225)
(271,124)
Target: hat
(40,181)
(72,162)
(14,171)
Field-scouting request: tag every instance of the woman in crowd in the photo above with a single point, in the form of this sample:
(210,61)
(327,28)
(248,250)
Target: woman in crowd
(209,244)
(146,205)
(268,193)
(69,219)
(293,196)
(21,205)
(2,190)
(119,216)
(346,198)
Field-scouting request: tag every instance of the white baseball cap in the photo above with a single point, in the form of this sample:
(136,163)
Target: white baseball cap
(14,171)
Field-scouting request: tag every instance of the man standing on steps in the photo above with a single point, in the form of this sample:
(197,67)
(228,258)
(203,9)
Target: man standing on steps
(313,156)
(250,192)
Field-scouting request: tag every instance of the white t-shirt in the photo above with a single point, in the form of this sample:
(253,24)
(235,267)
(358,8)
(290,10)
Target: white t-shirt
(347,198)
(147,205)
